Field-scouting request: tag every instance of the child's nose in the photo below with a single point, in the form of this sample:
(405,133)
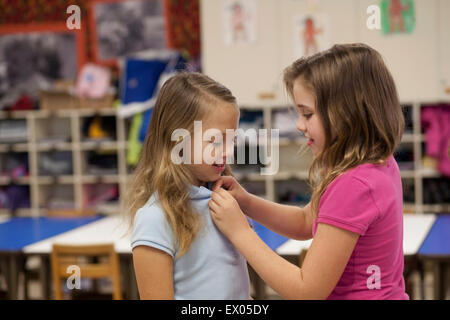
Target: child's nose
(301,126)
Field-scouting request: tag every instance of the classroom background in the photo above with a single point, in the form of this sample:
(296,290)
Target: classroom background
(78,80)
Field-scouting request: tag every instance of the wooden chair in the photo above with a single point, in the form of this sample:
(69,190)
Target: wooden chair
(63,256)
(71,213)
(32,273)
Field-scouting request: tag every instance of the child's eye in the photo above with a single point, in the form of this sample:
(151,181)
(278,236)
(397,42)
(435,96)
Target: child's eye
(307,116)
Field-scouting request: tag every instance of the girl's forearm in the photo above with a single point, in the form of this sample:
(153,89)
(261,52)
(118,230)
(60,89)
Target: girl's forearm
(282,276)
(290,221)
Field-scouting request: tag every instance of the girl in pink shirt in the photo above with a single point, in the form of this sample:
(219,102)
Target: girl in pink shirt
(350,113)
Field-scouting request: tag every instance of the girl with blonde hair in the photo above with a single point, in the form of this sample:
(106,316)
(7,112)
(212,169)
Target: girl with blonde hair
(178,253)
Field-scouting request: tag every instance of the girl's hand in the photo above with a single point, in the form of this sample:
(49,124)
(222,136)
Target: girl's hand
(234,188)
(227,215)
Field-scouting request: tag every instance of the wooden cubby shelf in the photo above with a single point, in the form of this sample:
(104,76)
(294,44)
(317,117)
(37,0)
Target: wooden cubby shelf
(53,132)
(413,137)
(60,131)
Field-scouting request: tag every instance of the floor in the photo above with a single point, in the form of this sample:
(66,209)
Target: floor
(35,289)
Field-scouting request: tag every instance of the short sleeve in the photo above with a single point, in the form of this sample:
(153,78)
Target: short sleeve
(151,229)
(348,204)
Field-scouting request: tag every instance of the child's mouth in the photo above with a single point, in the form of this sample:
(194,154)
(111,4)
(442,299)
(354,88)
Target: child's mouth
(310,142)
(219,167)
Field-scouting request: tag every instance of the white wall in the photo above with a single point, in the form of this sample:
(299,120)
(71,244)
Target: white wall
(246,69)
(444,40)
(412,59)
(419,62)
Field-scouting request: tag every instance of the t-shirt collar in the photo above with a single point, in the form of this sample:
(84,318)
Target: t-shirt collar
(198,193)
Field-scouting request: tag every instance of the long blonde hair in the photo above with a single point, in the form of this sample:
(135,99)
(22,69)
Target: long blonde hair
(358,106)
(184,98)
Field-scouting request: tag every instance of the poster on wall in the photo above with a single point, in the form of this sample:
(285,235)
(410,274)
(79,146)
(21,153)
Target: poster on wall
(313,5)
(397,16)
(311,34)
(123,27)
(240,21)
(33,57)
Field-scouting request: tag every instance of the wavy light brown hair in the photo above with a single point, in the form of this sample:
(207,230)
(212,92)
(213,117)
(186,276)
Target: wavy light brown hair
(183,99)
(358,105)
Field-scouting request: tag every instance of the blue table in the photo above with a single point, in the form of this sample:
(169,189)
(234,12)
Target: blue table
(272,239)
(19,232)
(436,247)
(437,242)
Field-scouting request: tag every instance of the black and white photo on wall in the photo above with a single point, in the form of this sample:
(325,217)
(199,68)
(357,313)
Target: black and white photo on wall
(33,58)
(123,27)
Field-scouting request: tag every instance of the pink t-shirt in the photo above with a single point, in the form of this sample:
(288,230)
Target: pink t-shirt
(368,200)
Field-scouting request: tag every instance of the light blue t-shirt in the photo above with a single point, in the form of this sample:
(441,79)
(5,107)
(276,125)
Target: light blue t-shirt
(212,268)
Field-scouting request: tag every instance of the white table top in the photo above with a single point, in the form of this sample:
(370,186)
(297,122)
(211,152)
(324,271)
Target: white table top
(4,219)
(415,229)
(111,229)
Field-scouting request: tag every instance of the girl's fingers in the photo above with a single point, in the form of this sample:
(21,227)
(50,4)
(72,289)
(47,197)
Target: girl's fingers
(217,185)
(218,194)
(223,193)
(213,206)
(224,182)
(216,198)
